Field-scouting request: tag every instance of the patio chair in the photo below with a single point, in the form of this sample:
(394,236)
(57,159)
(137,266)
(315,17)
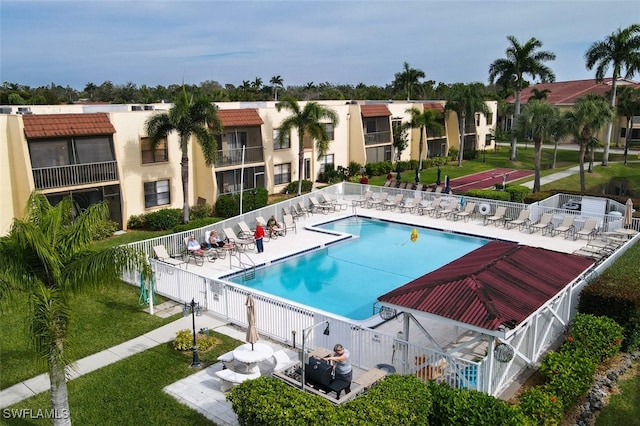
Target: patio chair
(448,211)
(245,231)
(220,252)
(163,256)
(387,183)
(438,189)
(588,230)
(410,205)
(392,203)
(469,210)
(275,230)
(365,198)
(419,187)
(566,227)
(289,223)
(402,185)
(241,243)
(335,203)
(322,207)
(291,212)
(544,224)
(498,216)
(521,221)
(377,201)
(196,255)
(302,210)
(429,208)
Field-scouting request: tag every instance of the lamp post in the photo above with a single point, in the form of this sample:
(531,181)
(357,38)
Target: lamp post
(305,333)
(194,309)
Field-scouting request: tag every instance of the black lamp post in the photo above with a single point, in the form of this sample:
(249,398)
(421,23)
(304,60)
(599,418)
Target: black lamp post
(194,309)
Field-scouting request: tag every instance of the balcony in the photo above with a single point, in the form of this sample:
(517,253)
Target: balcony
(75,174)
(233,157)
(377,138)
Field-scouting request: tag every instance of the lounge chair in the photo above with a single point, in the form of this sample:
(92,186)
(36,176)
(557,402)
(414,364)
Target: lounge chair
(402,185)
(410,205)
(566,227)
(387,183)
(392,203)
(302,210)
(241,243)
(289,223)
(275,231)
(497,217)
(521,221)
(544,224)
(588,230)
(419,187)
(448,211)
(469,210)
(162,255)
(376,201)
(592,253)
(291,212)
(335,203)
(429,208)
(322,207)
(438,189)
(365,198)
(245,231)
(196,255)
(220,252)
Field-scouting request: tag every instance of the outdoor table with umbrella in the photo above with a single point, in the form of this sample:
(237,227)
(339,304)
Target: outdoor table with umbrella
(628,212)
(252,352)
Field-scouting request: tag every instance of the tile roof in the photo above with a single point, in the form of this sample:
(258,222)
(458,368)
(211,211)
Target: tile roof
(240,117)
(567,92)
(375,110)
(434,105)
(497,283)
(52,125)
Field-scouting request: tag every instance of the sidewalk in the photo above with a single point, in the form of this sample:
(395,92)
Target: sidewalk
(553,177)
(164,334)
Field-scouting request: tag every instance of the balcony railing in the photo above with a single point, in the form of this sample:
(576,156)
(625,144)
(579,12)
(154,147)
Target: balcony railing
(75,174)
(233,157)
(377,138)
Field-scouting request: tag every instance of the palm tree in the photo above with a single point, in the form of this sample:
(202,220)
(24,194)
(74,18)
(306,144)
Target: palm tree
(48,258)
(589,115)
(558,132)
(538,118)
(276,82)
(466,100)
(540,95)
(407,79)
(309,120)
(628,106)
(310,87)
(188,117)
(509,72)
(622,50)
(423,120)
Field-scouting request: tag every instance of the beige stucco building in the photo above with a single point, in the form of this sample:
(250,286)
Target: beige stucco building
(100,152)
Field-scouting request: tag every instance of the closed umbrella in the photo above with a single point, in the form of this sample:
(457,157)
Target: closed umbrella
(628,212)
(252,331)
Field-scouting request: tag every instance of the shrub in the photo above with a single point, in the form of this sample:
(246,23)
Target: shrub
(194,224)
(136,222)
(568,375)
(599,338)
(518,193)
(354,168)
(200,211)
(183,340)
(229,205)
(541,406)
(489,194)
(292,187)
(162,220)
(105,230)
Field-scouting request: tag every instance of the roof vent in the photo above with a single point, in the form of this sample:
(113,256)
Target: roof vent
(136,107)
(24,110)
(149,107)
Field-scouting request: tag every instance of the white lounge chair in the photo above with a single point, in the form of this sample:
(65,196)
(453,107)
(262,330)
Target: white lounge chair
(469,210)
(521,221)
(497,217)
(392,203)
(566,227)
(410,205)
(328,199)
(163,256)
(544,224)
(429,207)
(289,223)
(365,198)
(240,243)
(245,231)
(377,199)
(588,230)
(449,210)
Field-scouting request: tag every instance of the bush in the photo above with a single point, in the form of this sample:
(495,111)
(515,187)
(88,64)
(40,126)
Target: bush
(194,224)
(183,340)
(105,230)
(568,375)
(488,194)
(229,205)
(354,168)
(200,211)
(136,222)
(292,187)
(541,406)
(599,338)
(162,220)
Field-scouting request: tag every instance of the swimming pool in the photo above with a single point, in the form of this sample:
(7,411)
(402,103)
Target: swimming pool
(346,278)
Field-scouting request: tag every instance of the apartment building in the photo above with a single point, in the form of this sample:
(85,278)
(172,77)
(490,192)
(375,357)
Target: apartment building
(101,152)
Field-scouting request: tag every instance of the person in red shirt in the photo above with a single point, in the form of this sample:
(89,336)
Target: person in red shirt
(258,235)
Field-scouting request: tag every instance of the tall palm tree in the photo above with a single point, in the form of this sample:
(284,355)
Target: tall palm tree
(466,100)
(540,95)
(277,83)
(589,115)
(538,118)
(48,258)
(621,49)
(308,120)
(628,106)
(560,131)
(408,79)
(509,72)
(423,120)
(188,117)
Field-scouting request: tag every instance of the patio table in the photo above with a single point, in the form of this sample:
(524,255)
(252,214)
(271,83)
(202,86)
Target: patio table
(250,358)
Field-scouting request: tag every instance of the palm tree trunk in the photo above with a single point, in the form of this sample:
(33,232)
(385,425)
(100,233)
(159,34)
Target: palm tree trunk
(514,139)
(555,154)
(184,163)
(583,144)
(300,160)
(626,139)
(59,394)
(462,127)
(537,143)
(607,135)
(420,148)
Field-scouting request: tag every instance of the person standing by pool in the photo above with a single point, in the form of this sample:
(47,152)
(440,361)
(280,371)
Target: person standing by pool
(342,365)
(258,235)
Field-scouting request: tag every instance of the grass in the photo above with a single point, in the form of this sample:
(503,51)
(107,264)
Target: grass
(624,407)
(130,391)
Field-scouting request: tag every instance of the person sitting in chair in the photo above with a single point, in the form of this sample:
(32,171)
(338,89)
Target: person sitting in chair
(194,246)
(341,365)
(273,226)
(215,240)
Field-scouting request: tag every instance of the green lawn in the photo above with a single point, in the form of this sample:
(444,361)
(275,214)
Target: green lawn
(624,407)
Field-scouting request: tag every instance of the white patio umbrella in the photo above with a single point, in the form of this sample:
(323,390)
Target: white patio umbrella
(252,332)
(628,212)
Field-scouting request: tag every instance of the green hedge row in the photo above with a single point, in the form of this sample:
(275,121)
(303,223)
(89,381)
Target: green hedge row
(229,205)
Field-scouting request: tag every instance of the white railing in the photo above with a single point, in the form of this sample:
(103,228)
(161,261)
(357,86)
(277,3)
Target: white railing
(75,174)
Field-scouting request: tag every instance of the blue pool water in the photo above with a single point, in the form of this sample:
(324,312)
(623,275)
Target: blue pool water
(346,278)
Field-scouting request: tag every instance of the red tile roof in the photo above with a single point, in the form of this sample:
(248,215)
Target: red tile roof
(240,117)
(567,92)
(433,105)
(497,283)
(375,110)
(53,125)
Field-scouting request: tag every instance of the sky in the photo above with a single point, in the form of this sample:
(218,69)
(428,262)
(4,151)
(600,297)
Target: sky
(162,42)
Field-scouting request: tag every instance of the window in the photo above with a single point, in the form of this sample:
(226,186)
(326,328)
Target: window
(328,127)
(623,132)
(160,155)
(70,151)
(93,150)
(477,120)
(287,140)
(327,159)
(282,173)
(156,193)
(490,119)
(50,153)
